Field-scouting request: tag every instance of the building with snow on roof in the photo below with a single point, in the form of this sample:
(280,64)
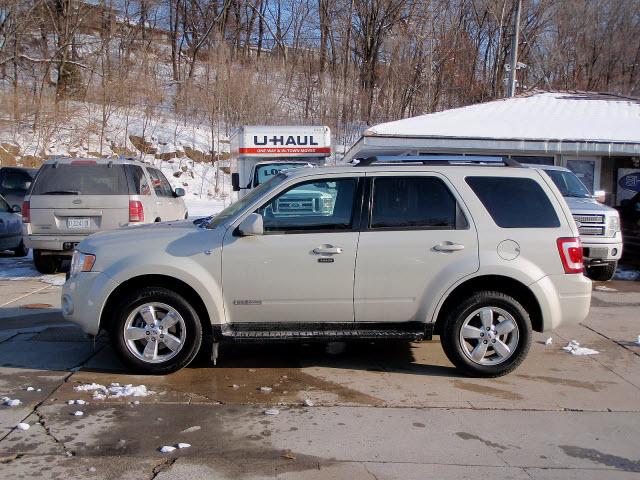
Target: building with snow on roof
(594,134)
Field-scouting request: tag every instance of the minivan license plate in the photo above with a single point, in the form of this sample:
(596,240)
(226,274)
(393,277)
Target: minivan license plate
(78,223)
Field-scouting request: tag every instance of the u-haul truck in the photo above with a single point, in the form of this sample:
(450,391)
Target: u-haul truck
(260,152)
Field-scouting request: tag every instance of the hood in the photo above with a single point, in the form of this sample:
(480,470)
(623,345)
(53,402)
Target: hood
(587,205)
(175,239)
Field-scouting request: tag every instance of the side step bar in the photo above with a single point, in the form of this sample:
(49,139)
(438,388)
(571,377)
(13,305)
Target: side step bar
(300,332)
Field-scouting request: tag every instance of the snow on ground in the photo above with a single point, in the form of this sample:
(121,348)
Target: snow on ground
(21,268)
(626,273)
(115,390)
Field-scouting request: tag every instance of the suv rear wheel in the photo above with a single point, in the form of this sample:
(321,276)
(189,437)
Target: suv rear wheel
(487,335)
(46,263)
(156,331)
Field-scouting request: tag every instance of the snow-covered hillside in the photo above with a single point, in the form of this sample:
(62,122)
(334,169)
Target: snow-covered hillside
(191,155)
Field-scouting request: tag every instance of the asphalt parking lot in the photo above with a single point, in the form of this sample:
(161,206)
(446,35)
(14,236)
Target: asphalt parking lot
(357,411)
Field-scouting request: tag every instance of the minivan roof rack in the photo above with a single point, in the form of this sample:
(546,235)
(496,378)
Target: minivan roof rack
(439,160)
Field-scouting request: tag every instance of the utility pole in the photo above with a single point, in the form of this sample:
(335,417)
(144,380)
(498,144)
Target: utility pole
(515,40)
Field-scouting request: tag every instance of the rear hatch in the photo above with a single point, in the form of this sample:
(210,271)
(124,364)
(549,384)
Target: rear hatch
(79,198)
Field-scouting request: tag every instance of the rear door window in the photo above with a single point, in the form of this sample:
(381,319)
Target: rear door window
(81,179)
(160,183)
(413,203)
(139,183)
(515,202)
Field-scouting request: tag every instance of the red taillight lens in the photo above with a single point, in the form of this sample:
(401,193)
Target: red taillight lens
(570,250)
(26,212)
(136,211)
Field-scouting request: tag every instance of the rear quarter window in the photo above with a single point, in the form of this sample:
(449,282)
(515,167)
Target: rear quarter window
(69,179)
(515,202)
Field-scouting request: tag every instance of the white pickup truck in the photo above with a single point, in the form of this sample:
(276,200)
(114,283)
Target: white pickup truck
(598,224)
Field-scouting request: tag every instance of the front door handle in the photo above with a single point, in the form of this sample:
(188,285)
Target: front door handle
(448,247)
(327,250)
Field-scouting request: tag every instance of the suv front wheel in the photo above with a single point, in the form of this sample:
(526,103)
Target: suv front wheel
(487,335)
(156,331)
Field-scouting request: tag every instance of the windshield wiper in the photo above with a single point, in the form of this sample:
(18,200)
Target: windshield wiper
(61,192)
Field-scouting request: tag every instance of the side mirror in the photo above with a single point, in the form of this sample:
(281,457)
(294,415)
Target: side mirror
(252,225)
(179,192)
(235,182)
(16,209)
(600,195)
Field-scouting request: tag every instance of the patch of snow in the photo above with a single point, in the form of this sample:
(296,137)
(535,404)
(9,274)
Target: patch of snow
(11,402)
(115,390)
(308,402)
(78,413)
(266,389)
(167,449)
(574,348)
(548,341)
(183,445)
(272,411)
(625,273)
(602,288)
(29,389)
(91,469)
(23,426)
(21,268)
(195,428)
(638,340)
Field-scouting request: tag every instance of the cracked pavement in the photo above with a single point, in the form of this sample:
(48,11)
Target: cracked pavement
(381,411)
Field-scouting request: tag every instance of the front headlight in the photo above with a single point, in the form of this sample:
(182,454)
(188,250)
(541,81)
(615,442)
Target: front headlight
(81,262)
(613,225)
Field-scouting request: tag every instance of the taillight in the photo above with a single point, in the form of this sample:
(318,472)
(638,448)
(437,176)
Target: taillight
(26,212)
(570,250)
(136,211)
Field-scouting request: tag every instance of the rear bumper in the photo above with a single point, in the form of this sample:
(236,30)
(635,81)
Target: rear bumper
(564,299)
(61,244)
(83,298)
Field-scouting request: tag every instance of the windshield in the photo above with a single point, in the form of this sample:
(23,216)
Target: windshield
(268,171)
(568,184)
(248,199)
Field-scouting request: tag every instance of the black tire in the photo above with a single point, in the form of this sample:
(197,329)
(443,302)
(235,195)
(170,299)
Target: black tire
(21,250)
(453,323)
(602,273)
(193,330)
(46,263)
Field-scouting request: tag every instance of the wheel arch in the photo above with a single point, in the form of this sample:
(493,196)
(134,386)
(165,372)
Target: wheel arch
(498,283)
(156,280)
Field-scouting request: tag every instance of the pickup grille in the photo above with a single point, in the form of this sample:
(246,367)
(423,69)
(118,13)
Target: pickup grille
(286,205)
(589,218)
(590,224)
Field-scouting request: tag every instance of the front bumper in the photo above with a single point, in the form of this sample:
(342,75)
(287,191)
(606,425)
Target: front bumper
(83,298)
(599,250)
(61,244)
(564,299)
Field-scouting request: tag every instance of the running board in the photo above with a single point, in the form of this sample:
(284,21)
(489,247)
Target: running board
(330,332)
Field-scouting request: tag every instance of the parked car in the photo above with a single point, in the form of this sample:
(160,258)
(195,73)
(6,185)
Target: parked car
(73,198)
(15,183)
(598,224)
(481,255)
(11,229)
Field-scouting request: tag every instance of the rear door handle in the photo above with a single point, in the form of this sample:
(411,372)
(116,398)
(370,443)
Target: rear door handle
(327,250)
(448,247)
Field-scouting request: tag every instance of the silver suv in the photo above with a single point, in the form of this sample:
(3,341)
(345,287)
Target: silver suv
(72,198)
(480,254)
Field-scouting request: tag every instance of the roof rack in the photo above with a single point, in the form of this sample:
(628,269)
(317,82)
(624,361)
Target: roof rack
(438,160)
